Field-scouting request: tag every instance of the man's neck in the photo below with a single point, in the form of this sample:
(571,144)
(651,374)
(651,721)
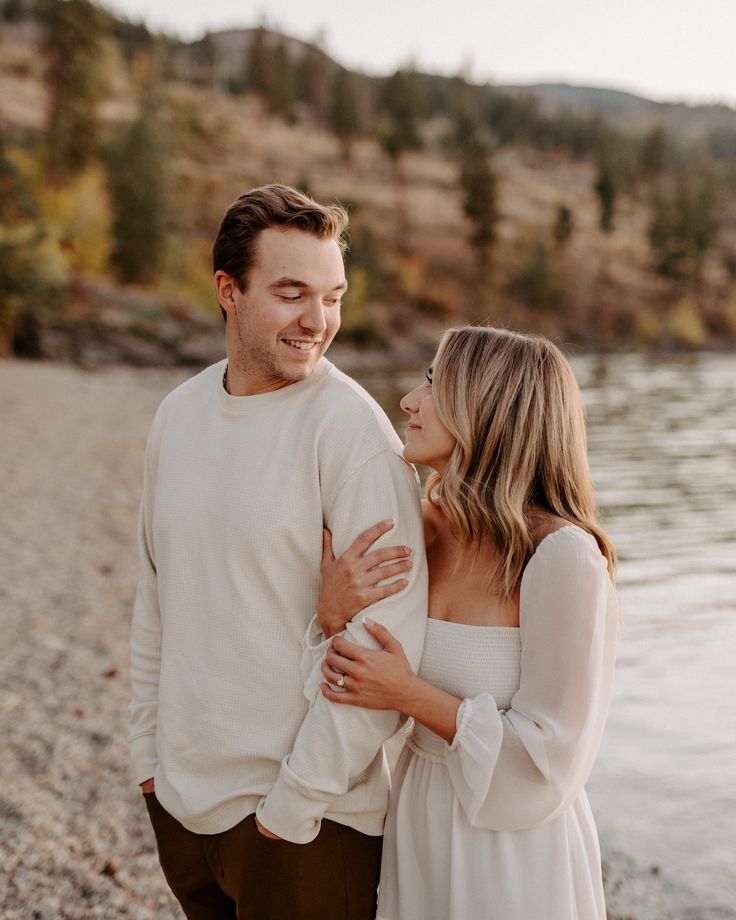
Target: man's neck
(241,384)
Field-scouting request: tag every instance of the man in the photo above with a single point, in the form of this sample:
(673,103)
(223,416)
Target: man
(266,805)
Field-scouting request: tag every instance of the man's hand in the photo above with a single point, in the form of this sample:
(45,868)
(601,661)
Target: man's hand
(265,832)
(148,786)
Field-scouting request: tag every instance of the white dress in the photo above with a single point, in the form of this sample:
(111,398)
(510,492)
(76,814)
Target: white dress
(497,825)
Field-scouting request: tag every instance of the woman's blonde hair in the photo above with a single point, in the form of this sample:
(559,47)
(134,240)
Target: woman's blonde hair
(513,405)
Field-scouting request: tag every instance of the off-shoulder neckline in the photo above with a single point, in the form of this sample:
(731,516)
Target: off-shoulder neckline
(548,539)
(554,533)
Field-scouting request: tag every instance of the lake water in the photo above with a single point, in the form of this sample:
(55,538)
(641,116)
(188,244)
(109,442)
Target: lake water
(662,438)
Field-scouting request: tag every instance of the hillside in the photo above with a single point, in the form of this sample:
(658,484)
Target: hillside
(548,263)
(631,111)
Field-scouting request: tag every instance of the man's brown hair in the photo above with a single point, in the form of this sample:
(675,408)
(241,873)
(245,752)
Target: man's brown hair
(271,206)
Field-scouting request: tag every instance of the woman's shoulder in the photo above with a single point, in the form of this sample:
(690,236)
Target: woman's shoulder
(567,574)
(565,545)
(544,525)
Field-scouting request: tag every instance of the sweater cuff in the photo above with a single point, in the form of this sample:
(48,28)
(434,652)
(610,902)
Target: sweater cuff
(314,649)
(314,639)
(290,811)
(143,754)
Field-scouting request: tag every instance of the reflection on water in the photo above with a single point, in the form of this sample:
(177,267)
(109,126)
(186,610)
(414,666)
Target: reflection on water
(662,438)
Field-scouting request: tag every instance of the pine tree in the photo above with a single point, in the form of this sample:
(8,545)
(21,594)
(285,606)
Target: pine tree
(345,120)
(563,226)
(705,212)
(313,83)
(76,77)
(668,248)
(270,73)
(684,227)
(478,183)
(400,107)
(139,191)
(282,89)
(258,64)
(655,153)
(536,284)
(400,104)
(606,187)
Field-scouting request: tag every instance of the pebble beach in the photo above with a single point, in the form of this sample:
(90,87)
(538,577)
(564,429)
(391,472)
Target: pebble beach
(74,837)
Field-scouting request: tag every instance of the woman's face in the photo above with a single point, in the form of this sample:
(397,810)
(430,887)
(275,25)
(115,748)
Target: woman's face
(427,440)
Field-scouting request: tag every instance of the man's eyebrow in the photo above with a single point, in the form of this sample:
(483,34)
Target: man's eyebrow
(289,282)
(302,285)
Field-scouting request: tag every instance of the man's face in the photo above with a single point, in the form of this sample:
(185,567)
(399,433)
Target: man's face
(289,312)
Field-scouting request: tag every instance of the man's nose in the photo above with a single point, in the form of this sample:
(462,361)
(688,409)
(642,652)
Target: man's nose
(313,315)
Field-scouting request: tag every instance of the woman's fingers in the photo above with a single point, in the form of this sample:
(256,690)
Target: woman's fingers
(336,696)
(378,593)
(389,571)
(348,651)
(343,653)
(386,554)
(327,553)
(363,542)
(381,634)
(336,678)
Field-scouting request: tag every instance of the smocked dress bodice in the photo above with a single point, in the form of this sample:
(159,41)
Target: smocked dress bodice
(466,661)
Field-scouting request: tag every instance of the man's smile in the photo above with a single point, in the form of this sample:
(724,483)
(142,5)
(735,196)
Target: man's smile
(301,345)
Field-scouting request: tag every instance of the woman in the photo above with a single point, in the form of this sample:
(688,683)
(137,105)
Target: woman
(488,816)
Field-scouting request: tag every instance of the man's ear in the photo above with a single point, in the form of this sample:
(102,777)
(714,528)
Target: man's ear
(226,288)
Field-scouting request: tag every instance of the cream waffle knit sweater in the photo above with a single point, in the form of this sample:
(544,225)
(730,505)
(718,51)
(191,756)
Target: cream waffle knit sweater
(236,490)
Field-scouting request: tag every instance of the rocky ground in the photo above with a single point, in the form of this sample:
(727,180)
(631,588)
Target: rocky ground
(74,838)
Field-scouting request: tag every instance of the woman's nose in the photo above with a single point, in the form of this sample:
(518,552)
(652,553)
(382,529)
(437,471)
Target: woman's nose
(408,403)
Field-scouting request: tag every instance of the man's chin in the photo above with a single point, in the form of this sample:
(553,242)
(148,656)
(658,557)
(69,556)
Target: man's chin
(295,374)
(293,368)
(301,368)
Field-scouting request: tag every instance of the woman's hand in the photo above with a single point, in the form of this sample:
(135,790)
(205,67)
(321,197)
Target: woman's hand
(357,579)
(372,678)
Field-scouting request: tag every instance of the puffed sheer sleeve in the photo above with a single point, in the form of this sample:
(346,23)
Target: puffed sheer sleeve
(521,767)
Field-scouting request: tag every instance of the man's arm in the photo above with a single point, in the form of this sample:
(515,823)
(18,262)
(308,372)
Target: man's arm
(337,743)
(145,643)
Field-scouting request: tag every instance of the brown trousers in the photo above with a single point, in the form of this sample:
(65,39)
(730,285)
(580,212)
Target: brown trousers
(242,875)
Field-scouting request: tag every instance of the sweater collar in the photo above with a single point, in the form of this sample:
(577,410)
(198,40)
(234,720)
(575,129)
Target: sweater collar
(239,405)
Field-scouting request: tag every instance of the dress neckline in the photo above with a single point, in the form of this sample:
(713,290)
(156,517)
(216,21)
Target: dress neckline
(472,625)
(544,540)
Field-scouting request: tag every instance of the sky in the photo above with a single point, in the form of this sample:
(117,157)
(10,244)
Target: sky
(676,50)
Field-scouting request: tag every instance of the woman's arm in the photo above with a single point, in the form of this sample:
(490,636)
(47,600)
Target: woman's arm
(358,578)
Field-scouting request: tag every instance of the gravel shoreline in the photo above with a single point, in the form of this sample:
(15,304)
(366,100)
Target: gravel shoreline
(74,838)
